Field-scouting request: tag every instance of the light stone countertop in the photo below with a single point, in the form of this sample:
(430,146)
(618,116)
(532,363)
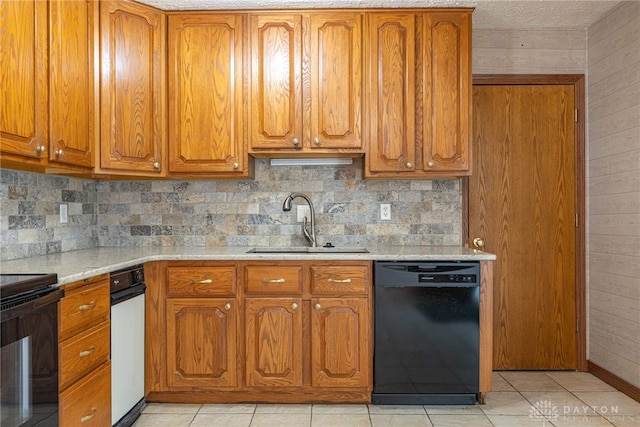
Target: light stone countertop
(78,265)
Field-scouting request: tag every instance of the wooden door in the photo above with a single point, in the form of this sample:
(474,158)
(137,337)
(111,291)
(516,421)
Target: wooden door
(276,81)
(206,113)
(274,343)
(447,91)
(201,342)
(23,77)
(335,54)
(132,88)
(390,86)
(340,340)
(522,204)
(72,81)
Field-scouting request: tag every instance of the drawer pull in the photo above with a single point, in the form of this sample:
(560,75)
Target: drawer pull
(87,417)
(339,281)
(317,306)
(227,306)
(294,306)
(85,307)
(193,282)
(273,280)
(85,353)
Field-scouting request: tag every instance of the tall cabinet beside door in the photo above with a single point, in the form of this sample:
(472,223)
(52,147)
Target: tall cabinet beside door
(207,108)
(418,79)
(133,89)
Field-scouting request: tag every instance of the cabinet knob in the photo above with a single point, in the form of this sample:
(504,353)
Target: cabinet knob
(295,141)
(227,306)
(156,165)
(430,164)
(478,242)
(317,140)
(409,165)
(317,306)
(294,306)
(235,166)
(41,149)
(59,153)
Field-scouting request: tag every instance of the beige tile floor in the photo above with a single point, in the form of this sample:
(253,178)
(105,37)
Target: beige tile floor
(528,399)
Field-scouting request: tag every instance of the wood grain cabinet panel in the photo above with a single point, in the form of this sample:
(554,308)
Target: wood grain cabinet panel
(88,402)
(340,342)
(201,281)
(391,93)
(84,307)
(72,82)
(83,353)
(273,342)
(207,99)
(201,342)
(132,95)
(274,280)
(306,83)
(23,74)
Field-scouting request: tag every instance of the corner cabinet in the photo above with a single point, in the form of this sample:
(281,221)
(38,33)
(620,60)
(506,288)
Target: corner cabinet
(133,89)
(207,109)
(419,88)
(306,83)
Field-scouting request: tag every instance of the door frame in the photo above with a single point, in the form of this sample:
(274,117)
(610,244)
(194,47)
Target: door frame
(578,81)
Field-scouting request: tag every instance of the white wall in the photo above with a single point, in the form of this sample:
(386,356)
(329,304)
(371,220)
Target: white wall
(613,186)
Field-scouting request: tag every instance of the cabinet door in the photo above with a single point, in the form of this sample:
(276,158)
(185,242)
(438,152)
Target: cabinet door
(23,77)
(447,83)
(276,83)
(201,342)
(391,93)
(132,88)
(206,112)
(335,55)
(273,342)
(72,81)
(340,342)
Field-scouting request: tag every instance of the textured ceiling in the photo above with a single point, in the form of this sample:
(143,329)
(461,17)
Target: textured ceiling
(505,14)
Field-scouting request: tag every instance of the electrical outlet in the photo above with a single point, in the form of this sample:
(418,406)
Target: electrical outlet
(385,211)
(64,213)
(303,210)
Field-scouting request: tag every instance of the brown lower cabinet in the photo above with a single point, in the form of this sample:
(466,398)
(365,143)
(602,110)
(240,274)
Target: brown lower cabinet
(84,351)
(262,331)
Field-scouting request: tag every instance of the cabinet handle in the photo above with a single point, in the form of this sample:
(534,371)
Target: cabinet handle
(295,141)
(193,282)
(87,417)
(85,353)
(59,153)
(41,149)
(235,166)
(339,281)
(409,165)
(156,165)
(317,306)
(89,306)
(273,280)
(430,164)
(116,282)
(227,306)
(294,306)
(317,140)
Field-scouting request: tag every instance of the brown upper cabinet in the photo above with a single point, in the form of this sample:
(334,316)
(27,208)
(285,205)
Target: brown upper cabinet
(49,82)
(207,112)
(436,47)
(306,84)
(133,89)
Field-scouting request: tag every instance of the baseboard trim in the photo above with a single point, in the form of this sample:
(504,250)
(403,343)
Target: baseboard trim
(615,381)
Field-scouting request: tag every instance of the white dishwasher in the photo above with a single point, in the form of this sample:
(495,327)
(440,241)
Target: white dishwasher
(127,345)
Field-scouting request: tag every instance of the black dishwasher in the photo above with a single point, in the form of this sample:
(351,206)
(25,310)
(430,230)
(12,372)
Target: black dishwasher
(426,333)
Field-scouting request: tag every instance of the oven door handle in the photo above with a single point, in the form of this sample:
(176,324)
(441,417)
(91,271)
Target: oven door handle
(30,306)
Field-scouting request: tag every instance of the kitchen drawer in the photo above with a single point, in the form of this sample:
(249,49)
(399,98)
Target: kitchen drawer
(201,281)
(88,402)
(340,280)
(83,308)
(274,280)
(83,353)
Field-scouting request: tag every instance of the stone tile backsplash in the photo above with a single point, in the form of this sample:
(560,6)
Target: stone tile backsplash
(219,213)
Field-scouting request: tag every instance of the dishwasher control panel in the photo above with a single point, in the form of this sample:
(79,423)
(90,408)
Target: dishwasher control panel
(426,273)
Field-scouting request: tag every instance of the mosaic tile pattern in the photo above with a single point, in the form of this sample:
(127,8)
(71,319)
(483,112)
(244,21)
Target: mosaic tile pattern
(29,214)
(218,213)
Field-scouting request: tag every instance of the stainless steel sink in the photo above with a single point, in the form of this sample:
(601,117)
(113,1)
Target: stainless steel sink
(307,250)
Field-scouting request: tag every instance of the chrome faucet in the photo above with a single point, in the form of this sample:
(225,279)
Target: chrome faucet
(286,206)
